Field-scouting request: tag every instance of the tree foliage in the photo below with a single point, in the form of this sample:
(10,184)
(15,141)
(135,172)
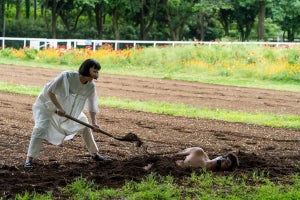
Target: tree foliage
(152,19)
(287,14)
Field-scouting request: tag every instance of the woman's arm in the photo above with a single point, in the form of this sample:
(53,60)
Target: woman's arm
(59,110)
(93,118)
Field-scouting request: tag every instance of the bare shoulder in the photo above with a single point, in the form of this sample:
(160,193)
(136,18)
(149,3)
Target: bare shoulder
(190,150)
(197,149)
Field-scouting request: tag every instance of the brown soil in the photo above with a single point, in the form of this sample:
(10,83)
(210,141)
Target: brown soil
(275,150)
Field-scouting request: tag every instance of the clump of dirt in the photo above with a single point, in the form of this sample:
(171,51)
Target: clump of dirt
(132,137)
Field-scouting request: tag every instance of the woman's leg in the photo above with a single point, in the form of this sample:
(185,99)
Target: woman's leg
(34,148)
(89,140)
(41,119)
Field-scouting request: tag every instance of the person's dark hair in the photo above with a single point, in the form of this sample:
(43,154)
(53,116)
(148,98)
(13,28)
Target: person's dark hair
(234,161)
(84,68)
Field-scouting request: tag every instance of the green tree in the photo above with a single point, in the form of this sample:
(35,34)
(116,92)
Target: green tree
(206,10)
(245,13)
(116,9)
(70,12)
(152,19)
(99,17)
(225,15)
(143,14)
(178,13)
(51,5)
(287,14)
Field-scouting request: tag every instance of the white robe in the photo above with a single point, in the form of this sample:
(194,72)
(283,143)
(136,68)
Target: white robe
(73,96)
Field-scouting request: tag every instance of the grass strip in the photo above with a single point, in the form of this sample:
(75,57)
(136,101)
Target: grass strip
(258,118)
(203,185)
(161,73)
(20,89)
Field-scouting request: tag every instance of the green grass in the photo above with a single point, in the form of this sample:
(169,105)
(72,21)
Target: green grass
(33,63)
(264,119)
(199,185)
(191,75)
(20,89)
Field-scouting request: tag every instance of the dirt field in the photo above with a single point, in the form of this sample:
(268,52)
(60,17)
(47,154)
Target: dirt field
(259,148)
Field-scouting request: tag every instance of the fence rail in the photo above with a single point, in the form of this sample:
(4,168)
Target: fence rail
(42,43)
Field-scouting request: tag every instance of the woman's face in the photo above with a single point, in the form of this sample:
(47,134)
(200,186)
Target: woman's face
(226,163)
(94,73)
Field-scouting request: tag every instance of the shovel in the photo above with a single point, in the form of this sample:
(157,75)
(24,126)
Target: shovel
(130,137)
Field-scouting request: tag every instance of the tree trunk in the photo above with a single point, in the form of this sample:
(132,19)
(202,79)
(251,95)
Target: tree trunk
(224,20)
(54,19)
(43,10)
(150,20)
(172,29)
(202,28)
(261,20)
(242,32)
(27,9)
(3,20)
(248,30)
(34,9)
(18,9)
(99,19)
(290,35)
(142,21)
(115,19)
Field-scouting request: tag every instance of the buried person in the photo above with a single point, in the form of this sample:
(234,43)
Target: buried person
(69,93)
(195,157)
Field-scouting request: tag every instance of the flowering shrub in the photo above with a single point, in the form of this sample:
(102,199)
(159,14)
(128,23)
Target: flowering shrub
(30,53)
(248,61)
(7,52)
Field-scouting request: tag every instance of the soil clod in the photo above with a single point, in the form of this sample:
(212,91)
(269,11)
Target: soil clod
(131,137)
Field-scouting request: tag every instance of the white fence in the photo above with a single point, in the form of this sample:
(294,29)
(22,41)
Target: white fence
(42,43)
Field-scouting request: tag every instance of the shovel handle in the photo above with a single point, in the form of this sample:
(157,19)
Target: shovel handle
(79,121)
(88,125)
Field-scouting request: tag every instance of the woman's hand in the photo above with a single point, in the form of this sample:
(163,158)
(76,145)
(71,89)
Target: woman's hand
(96,127)
(60,112)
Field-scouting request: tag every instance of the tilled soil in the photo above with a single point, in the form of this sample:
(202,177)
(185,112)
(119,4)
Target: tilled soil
(273,150)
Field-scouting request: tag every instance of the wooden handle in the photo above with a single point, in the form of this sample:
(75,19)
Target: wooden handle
(79,121)
(88,125)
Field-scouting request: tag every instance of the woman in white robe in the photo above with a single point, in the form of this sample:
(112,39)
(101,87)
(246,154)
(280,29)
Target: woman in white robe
(69,93)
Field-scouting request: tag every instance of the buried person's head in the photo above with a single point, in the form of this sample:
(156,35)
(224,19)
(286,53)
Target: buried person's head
(228,162)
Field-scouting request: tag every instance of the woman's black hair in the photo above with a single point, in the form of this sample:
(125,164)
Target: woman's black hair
(219,162)
(234,161)
(84,68)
